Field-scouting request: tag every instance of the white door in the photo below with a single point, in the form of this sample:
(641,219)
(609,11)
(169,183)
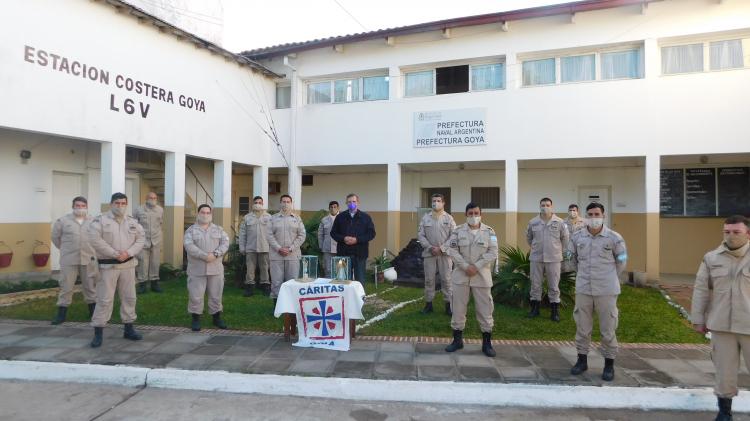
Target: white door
(65,186)
(597,194)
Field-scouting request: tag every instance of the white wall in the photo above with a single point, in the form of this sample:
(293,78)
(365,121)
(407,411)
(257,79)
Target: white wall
(45,100)
(679,114)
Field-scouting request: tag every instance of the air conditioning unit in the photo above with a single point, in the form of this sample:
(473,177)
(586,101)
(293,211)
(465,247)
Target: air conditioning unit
(274,187)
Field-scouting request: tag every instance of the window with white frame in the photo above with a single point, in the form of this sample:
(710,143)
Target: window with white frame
(625,64)
(368,88)
(283,95)
(455,79)
(606,63)
(726,54)
(419,83)
(487,76)
(538,72)
(578,68)
(682,59)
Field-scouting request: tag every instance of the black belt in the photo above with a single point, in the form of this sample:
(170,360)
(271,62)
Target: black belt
(113,261)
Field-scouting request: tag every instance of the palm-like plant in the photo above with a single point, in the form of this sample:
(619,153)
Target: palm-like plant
(512,283)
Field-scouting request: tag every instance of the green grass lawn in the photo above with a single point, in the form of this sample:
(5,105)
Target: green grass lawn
(644,315)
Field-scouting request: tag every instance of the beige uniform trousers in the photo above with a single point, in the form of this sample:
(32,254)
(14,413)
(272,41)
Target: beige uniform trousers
(282,271)
(725,353)
(327,264)
(197,287)
(552,270)
(68,276)
(605,307)
(148,264)
(122,280)
(483,306)
(255,260)
(444,265)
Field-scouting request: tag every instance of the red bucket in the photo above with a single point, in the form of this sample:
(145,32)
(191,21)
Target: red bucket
(39,254)
(5,259)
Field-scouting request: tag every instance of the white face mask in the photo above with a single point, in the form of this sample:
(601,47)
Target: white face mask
(334,212)
(80,212)
(596,223)
(286,207)
(544,210)
(573,214)
(203,219)
(151,203)
(257,207)
(735,241)
(118,211)
(438,206)
(474,220)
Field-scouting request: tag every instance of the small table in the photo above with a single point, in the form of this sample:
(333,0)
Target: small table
(324,310)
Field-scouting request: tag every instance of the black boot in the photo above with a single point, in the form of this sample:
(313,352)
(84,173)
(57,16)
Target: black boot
(218,322)
(458,341)
(534,312)
(266,289)
(427,308)
(555,314)
(92,307)
(142,287)
(448,309)
(248,290)
(487,345)
(725,410)
(60,317)
(581,365)
(155,286)
(609,370)
(130,333)
(97,341)
(195,326)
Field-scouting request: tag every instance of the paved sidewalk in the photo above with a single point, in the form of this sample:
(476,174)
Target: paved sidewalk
(538,362)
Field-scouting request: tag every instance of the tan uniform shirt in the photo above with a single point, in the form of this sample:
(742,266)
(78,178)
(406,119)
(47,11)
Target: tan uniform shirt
(547,239)
(108,236)
(253,232)
(435,231)
(199,243)
(152,220)
(721,297)
(286,231)
(574,226)
(599,260)
(467,248)
(73,241)
(325,242)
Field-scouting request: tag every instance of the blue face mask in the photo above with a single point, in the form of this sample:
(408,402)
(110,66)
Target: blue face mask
(352,206)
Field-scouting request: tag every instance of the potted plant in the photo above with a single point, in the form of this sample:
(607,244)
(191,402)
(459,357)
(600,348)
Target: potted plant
(6,255)
(380,264)
(40,254)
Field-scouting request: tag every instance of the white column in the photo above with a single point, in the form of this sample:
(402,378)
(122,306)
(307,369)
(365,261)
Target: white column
(512,71)
(393,235)
(260,182)
(223,184)
(510,236)
(113,170)
(653,193)
(394,83)
(651,59)
(174,179)
(295,186)
(653,183)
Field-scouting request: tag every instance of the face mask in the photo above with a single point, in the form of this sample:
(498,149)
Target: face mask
(474,220)
(151,203)
(352,206)
(573,214)
(437,206)
(545,211)
(257,207)
(203,219)
(735,241)
(118,211)
(334,212)
(80,212)
(596,223)
(286,207)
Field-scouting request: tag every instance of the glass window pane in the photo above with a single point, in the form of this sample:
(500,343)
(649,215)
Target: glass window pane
(346,90)
(319,93)
(622,65)
(577,68)
(419,83)
(488,76)
(682,59)
(539,72)
(375,88)
(283,96)
(727,55)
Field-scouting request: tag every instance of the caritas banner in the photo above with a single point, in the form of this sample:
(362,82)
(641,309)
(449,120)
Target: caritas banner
(323,311)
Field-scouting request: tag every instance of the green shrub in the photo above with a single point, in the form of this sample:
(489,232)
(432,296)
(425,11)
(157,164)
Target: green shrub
(7,288)
(512,283)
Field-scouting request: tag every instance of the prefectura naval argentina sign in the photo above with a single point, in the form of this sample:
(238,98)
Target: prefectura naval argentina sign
(143,89)
(463,127)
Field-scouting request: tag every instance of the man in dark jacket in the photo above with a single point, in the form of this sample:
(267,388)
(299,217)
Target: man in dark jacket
(353,230)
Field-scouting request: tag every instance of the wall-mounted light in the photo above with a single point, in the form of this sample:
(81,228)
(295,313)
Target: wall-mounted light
(25,154)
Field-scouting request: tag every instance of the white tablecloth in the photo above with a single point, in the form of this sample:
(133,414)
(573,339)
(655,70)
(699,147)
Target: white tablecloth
(323,311)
